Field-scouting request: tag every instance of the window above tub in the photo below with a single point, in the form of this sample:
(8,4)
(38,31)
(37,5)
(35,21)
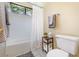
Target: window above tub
(19,9)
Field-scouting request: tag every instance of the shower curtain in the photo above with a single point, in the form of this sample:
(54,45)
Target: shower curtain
(37,27)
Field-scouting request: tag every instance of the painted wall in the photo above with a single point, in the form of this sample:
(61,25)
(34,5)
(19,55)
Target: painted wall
(68,20)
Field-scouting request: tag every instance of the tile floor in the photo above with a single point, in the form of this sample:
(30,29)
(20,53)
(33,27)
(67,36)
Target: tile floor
(35,53)
(29,54)
(39,53)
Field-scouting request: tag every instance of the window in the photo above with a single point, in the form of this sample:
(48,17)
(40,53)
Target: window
(20,9)
(28,11)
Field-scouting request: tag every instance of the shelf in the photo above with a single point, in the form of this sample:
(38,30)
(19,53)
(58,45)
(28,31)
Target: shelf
(47,44)
(49,41)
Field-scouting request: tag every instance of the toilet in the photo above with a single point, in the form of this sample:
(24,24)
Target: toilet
(66,46)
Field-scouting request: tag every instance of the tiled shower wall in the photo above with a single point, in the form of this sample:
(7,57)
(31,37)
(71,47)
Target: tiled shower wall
(2,36)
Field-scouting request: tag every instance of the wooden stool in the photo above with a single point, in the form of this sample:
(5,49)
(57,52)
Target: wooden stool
(47,41)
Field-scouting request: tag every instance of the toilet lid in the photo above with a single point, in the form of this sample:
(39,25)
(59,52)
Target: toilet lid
(57,53)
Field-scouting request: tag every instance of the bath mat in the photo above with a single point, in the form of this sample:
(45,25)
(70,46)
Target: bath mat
(29,54)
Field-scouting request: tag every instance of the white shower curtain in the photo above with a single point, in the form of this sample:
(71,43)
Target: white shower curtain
(37,27)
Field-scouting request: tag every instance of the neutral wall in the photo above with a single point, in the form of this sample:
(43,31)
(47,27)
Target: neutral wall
(68,20)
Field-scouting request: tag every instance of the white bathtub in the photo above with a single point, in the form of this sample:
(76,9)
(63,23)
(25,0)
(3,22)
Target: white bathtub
(16,48)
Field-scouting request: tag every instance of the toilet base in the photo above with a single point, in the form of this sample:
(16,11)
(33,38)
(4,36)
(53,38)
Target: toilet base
(57,53)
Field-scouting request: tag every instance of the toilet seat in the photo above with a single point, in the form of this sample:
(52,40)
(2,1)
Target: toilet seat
(57,53)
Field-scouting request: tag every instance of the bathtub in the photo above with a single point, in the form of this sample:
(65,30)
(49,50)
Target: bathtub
(15,48)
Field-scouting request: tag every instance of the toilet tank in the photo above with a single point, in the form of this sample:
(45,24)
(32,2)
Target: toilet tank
(67,43)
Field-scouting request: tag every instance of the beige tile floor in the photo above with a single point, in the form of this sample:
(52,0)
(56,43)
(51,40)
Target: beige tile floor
(39,53)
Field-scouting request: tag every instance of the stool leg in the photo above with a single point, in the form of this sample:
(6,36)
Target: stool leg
(47,47)
(52,44)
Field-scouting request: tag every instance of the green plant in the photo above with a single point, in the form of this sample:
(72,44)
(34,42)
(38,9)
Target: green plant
(45,33)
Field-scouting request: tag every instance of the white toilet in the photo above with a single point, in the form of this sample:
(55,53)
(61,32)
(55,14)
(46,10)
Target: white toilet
(66,46)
